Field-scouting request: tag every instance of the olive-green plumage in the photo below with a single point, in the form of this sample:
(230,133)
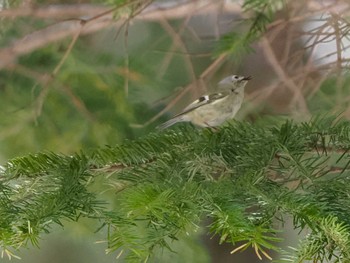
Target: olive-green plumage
(214,109)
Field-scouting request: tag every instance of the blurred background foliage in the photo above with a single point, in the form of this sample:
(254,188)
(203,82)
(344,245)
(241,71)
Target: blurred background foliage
(99,87)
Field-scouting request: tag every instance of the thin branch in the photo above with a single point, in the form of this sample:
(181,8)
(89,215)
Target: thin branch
(169,106)
(68,51)
(41,98)
(126,58)
(208,72)
(58,31)
(179,43)
(44,79)
(78,103)
(171,52)
(44,37)
(54,11)
(290,84)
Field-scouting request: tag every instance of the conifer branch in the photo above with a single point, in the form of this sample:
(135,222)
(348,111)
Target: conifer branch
(165,183)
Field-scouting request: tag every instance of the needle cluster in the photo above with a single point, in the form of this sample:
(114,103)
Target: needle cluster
(242,177)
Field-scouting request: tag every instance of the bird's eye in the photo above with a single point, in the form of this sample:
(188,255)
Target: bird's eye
(236,77)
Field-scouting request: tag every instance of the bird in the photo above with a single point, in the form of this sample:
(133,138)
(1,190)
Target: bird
(214,109)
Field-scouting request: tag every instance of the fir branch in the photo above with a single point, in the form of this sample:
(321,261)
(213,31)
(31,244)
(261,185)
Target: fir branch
(166,183)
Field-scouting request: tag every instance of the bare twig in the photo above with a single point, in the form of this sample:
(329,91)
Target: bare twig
(44,37)
(171,52)
(68,51)
(45,89)
(44,79)
(126,58)
(179,43)
(169,106)
(290,84)
(217,62)
(58,31)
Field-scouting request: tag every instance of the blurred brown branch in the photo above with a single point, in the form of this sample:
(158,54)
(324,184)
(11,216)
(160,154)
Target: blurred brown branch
(306,44)
(43,37)
(288,46)
(155,11)
(91,17)
(55,11)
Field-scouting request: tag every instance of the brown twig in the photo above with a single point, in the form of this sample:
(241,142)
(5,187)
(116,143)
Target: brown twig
(280,71)
(45,89)
(179,43)
(171,52)
(169,106)
(101,19)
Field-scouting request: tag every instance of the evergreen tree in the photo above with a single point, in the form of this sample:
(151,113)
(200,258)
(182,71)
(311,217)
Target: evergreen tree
(150,191)
(242,177)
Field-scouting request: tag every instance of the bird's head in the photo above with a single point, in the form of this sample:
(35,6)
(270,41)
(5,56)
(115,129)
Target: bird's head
(234,82)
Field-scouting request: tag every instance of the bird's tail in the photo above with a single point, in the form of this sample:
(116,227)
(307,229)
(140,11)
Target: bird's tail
(170,123)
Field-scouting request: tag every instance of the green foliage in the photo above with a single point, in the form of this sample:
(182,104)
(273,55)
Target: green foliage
(87,101)
(40,190)
(234,182)
(324,98)
(237,44)
(332,241)
(234,43)
(242,177)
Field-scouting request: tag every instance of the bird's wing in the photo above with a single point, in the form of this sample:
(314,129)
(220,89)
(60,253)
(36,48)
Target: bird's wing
(201,101)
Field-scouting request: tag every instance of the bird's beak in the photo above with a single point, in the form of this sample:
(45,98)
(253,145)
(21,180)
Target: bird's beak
(247,78)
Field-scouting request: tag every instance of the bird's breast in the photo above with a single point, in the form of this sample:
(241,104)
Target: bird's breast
(217,112)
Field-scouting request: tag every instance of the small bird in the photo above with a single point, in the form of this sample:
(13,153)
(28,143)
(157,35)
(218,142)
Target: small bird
(214,109)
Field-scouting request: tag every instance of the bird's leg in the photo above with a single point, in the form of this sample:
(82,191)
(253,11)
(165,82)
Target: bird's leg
(211,127)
